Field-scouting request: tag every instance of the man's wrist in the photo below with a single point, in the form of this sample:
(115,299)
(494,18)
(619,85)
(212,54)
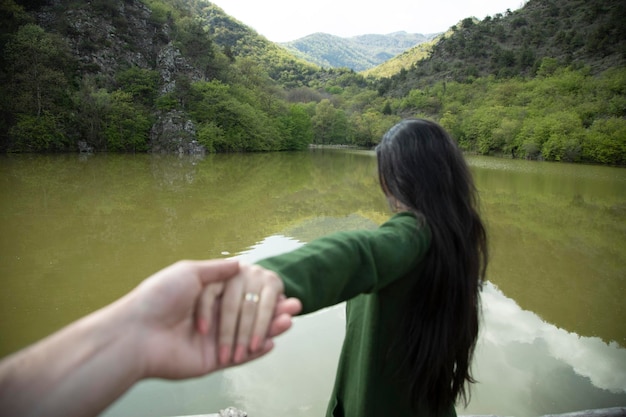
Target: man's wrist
(121,322)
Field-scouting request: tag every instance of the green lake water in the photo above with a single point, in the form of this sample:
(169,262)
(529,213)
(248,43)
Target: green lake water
(77,232)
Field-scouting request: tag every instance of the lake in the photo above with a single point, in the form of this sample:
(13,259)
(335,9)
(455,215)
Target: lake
(78,231)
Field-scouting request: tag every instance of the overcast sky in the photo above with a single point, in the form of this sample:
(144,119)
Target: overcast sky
(287,20)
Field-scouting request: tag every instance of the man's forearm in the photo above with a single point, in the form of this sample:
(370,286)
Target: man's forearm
(77,371)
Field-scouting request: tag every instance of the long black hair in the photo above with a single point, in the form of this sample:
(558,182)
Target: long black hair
(421,167)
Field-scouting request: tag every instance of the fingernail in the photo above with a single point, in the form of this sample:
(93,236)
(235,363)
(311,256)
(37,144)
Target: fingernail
(239,352)
(255,344)
(203,326)
(224,355)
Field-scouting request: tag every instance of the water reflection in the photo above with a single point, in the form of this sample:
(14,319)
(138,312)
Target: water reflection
(558,241)
(526,367)
(507,324)
(76,234)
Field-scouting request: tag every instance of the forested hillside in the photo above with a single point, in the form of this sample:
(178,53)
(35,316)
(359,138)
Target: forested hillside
(547,81)
(239,40)
(358,53)
(576,33)
(403,61)
(110,75)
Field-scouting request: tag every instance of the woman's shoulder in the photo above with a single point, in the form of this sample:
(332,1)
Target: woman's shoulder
(409,221)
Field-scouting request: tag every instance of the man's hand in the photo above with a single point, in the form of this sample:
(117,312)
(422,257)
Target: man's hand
(178,332)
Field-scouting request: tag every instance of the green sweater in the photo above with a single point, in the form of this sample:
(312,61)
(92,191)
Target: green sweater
(373,270)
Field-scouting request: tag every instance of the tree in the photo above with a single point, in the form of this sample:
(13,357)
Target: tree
(140,83)
(245,127)
(37,61)
(196,44)
(370,126)
(127,127)
(36,88)
(93,106)
(300,128)
(41,133)
(606,141)
(323,121)
(387,109)
(340,131)
(211,136)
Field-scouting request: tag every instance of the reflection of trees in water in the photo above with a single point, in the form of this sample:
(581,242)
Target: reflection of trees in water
(558,240)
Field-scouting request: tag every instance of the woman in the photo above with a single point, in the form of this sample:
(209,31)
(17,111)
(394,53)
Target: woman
(412,285)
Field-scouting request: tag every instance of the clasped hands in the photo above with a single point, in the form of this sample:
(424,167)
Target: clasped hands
(250,309)
(201,316)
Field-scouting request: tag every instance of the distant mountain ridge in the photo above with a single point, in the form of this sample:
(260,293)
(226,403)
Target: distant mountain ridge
(358,52)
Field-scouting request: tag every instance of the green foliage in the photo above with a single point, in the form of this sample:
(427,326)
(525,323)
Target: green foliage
(196,44)
(557,135)
(92,105)
(161,12)
(37,68)
(582,33)
(606,141)
(211,136)
(329,124)
(299,128)
(569,115)
(370,126)
(141,83)
(12,16)
(479,127)
(37,61)
(127,125)
(241,41)
(421,101)
(38,133)
(166,102)
(232,113)
(547,67)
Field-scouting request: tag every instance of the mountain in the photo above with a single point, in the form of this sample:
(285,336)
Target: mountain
(142,75)
(547,81)
(514,43)
(406,59)
(357,53)
(239,40)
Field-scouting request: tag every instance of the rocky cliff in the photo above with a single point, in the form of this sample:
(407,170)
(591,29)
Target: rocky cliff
(106,37)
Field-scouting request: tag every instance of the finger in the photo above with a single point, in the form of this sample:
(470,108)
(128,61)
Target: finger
(205,312)
(229,316)
(291,306)
(265,311)
(249,310)
(280,324)
(216,270)
(267,347)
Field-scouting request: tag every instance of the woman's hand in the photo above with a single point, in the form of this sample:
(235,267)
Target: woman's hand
(249,306)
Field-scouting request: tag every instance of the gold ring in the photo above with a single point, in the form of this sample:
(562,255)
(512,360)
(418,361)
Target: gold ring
(250,296)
